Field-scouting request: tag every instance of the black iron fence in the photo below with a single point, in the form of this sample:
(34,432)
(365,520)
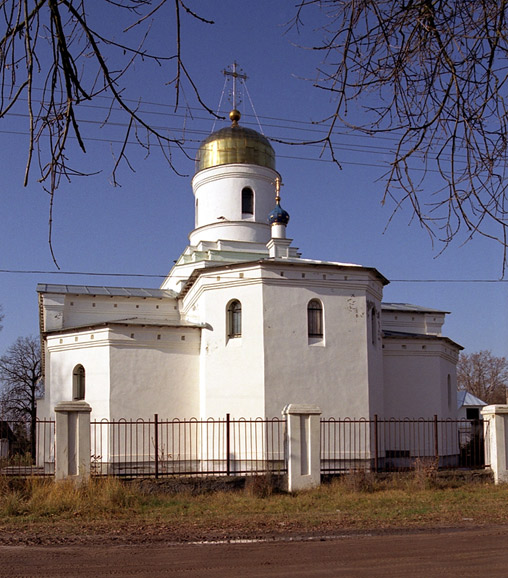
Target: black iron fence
(400,444)
(187,447)
(228,446)
(24,454)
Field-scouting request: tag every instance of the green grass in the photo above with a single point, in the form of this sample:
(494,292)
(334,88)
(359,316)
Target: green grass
(347,504)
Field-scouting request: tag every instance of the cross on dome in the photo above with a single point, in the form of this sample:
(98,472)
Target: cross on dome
(234,74)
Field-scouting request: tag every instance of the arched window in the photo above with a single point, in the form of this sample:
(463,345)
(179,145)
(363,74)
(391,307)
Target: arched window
(315,318)
(78,382)
(234,315)
(247,201)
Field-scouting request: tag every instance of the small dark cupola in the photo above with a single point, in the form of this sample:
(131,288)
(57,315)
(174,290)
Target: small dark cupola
(278,216)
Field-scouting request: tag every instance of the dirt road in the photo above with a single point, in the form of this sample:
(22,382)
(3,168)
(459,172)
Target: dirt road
(464,553)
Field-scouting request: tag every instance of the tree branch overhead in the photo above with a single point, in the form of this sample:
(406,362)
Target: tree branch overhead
(433,75)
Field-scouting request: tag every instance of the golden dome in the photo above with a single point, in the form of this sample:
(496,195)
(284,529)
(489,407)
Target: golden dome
(235,144)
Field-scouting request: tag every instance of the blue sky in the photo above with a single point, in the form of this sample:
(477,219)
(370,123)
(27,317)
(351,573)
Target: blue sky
(141,227)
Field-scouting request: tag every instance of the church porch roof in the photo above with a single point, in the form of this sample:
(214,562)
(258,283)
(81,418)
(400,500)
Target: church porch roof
(409,308)
(105,291)
(387,334)
(129,322)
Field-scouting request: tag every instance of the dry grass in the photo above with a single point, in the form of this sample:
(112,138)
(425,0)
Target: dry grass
(36,498)
(356,501)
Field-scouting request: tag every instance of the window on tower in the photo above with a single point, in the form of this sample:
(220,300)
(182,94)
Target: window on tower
(315,319)
(234,319)
(247,202)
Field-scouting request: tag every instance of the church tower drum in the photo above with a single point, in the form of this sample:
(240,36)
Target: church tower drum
(233,186)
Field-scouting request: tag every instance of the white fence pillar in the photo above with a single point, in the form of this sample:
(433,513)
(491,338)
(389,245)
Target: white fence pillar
(303,446)
(496,440)
(72,440)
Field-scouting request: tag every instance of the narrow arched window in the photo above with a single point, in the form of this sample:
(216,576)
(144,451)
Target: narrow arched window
(247,201)
(78,382)
(315,318)
(234,315)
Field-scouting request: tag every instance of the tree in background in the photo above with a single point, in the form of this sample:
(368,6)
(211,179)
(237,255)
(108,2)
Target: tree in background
(21,383)
(484,375)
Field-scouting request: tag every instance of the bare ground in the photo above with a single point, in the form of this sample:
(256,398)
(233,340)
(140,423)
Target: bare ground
(464,552)
(267,528)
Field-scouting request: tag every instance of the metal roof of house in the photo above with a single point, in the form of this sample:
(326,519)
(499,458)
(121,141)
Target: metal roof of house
(107,291)
(409,308)
(464,398)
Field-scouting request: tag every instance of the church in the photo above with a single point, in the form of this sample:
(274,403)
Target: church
(243,324)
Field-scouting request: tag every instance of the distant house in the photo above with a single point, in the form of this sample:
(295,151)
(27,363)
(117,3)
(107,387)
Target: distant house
(468,405)
(7,439)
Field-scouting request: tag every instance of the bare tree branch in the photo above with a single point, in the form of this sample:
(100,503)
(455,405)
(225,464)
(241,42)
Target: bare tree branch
(433,74)
(55,58)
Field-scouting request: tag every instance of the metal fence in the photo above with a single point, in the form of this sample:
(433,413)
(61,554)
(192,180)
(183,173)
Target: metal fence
(133,448)
(187,447)
(24,455)
(399,444)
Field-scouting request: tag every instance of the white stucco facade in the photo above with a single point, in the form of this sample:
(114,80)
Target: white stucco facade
(243,324)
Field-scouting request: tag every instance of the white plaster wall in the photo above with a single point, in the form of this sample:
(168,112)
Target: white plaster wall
(218,193)
(91,350)
(54,306)
(247,231)
(156,371)
(88,309)
(415,379)
(231,370)
(448,367)
(332,375)
(375,350)
(273,364)
(413,322)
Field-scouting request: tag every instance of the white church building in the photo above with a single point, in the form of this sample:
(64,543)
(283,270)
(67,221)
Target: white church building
(243,324)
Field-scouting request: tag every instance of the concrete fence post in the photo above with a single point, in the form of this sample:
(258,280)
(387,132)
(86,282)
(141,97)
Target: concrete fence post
(303,446)
(496,440)
(72,440)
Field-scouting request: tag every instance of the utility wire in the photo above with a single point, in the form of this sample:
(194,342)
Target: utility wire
(343,147)
(153,276)
(86,273)
(315,128)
